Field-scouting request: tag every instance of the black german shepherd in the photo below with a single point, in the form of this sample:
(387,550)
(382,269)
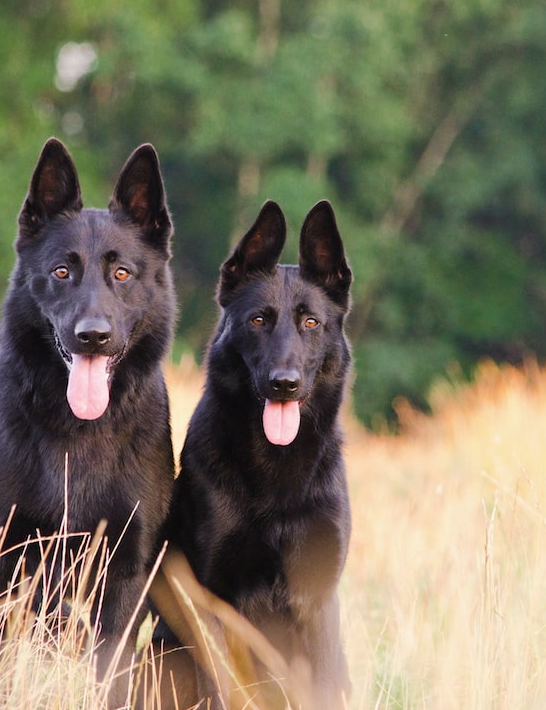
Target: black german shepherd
(88,316)
(261,506)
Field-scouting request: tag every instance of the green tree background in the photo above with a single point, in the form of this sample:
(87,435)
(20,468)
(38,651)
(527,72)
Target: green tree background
(421,120)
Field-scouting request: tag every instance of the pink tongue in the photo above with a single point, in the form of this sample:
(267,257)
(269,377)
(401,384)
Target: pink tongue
(281,421)
(88,393)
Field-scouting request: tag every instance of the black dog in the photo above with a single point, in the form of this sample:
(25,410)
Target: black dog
(87,319)
(261,506)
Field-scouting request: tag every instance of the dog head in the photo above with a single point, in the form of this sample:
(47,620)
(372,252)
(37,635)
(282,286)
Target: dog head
(287,321)
(90,271)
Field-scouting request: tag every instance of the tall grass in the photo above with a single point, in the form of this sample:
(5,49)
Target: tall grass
(444,592)
(48,651)
(46,655)
(445,588)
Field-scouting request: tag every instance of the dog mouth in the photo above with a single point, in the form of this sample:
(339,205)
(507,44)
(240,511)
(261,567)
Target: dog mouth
(89,378)
(281,421)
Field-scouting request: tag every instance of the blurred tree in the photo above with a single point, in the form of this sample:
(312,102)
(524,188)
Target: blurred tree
(421,120)
(467,277)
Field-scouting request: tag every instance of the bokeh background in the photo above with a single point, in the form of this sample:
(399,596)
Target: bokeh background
(423,121)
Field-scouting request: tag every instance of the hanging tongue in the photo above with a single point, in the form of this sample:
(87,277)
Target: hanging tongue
(281,421)
(88,393)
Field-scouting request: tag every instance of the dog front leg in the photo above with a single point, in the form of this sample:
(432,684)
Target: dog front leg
(318,641)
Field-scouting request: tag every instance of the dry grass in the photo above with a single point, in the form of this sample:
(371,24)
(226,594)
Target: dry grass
(445,588)
(444,593)
(46,656)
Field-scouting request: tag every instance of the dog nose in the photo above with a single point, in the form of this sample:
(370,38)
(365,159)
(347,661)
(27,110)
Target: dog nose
(93,332)
(284,382)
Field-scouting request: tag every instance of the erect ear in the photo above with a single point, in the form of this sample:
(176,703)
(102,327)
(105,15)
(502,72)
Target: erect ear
(322,258)
(140,194)
(258,250)
(54,188)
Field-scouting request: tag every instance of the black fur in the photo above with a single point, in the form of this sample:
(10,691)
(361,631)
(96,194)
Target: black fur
(266,526)
(89,282)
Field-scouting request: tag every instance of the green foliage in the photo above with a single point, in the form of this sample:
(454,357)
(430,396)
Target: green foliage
(420,120)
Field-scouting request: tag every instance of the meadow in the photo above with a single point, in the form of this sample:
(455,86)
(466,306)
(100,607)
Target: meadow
(444,592)
(445,587)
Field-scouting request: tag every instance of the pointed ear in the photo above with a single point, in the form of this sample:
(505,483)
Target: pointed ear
(322,258)
(54,188)
(258,250)
(140,194)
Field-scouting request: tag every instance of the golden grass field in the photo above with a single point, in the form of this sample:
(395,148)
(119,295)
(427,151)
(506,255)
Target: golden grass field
(444,592)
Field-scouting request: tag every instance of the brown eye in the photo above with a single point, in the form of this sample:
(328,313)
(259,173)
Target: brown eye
(258,320)
(311,323)
(121,274)
(61,272)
